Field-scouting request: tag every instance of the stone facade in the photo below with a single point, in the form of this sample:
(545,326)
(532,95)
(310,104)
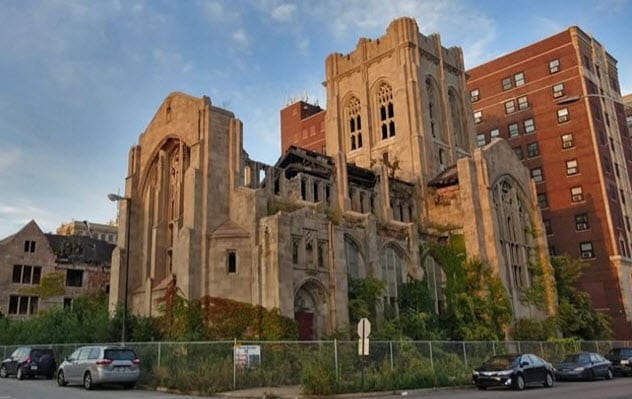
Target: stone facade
(77,265)
(398,163)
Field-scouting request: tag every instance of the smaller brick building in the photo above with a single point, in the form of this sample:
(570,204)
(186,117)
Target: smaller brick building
(39,271)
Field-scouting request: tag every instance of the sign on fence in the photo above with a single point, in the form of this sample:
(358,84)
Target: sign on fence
(247,355)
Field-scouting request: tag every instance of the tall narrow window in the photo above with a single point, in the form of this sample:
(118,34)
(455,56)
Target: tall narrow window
(387,112)
(567,140)
(558,90)
(513,129)
(355,123)
(523,103)
(554,65)
(475,95)
(231,260)
(478,116)
(506,83)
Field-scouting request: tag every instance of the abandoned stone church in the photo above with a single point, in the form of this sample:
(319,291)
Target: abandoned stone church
(400,160)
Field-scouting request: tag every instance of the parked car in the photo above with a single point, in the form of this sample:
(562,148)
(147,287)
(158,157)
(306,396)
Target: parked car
(514,371)
(95,365)
(584,366)
(27,361)
(621,359)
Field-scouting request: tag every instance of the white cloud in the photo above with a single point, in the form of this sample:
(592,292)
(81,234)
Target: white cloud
(283,12)
(240,37)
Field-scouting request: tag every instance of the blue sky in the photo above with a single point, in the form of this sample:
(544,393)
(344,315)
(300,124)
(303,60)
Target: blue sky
(80,80)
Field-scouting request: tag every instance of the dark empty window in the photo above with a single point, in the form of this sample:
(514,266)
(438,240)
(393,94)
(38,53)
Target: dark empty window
(29,246)
(17,274)
(232,262)
(74,278)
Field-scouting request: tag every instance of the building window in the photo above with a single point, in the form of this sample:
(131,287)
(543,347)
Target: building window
(387,113)
(529,125)
(510,107)
(562,115)
(295,251)
(74,278)
(519,79)
(23,274)
(29,246)
(543,202)
(494,133)
(355,124)
(231,261)
(586,249)
(475,95)
(523,103)
(533,150)
(23,305)
(322,254)
(567,140)
(558,90)
(478,116)
(536,175)
(622,194)
(480,140)
(513,129)
(547,227)
(67,303)
(616,170)
(554,65)
(506,83)
(571,167)
(518,151)
(581,222)
(577,194)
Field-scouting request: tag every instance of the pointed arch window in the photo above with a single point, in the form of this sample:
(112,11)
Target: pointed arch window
(354,124)
(392,274)
(387,111)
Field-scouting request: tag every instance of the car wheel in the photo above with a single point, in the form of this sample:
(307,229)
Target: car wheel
(87,381)
(3,372)
(61,380)
(20,374)
(609,374)
(548,381)
(129,385)
(518,383)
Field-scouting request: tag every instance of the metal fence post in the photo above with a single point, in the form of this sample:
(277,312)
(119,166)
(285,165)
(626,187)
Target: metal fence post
(494,347)
(390,347)
(336,358)
(234,365)
(159,353)
(464,354)
(431,359)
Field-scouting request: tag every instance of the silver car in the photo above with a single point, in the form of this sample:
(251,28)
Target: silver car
(94,365)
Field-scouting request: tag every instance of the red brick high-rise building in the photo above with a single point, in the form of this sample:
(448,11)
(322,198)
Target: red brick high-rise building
(303,125)
(558,104)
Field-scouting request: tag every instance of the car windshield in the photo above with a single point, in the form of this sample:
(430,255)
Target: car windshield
(621,352)
(37,353)
(582,358)
(504,361)
(120,354)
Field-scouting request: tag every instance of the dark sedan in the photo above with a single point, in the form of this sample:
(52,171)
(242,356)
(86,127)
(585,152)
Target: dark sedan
(515,371)
(621,359)
(29,362)
(584,366)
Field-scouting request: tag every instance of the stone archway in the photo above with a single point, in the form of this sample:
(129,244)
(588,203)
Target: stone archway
(311,310)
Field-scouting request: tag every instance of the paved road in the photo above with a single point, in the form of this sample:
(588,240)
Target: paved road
(11,388)
(619,388)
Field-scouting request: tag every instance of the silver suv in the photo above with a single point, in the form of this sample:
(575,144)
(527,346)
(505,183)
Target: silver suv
(93,365)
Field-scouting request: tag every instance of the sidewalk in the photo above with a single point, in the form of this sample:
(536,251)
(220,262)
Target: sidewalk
(294,392)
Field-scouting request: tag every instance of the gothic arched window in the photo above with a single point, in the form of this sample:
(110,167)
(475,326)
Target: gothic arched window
(387,111)
(354,120)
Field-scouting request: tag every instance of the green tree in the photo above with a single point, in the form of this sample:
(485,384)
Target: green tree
(576,316)
(477,307)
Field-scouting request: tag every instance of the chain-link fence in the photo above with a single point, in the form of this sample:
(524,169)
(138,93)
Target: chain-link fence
(324,366)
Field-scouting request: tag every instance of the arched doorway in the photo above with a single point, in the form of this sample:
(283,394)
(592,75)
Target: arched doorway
(311,310)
